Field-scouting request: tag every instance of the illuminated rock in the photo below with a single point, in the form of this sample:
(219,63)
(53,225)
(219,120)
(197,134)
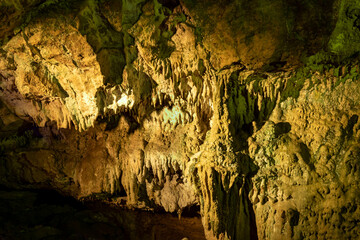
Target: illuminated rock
(246,110)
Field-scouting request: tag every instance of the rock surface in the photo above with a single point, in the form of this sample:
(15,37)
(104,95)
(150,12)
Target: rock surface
(48,215)
(247,109)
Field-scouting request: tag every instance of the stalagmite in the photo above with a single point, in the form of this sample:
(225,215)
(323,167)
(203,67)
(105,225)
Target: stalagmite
(247,111)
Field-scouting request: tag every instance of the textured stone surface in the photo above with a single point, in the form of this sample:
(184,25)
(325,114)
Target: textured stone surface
(248,110)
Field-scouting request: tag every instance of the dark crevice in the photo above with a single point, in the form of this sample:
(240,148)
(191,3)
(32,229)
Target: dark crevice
(50,196)
(282,128)
(189,212)
(350,126)
(252,219)
(170,4)
(120,189)
(111,122)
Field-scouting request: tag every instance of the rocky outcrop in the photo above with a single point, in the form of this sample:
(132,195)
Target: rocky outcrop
(247,110)
(305,153)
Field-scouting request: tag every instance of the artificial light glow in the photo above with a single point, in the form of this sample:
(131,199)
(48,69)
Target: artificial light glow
(126,101)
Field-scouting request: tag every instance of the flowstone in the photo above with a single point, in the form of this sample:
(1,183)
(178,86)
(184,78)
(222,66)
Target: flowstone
(248,111)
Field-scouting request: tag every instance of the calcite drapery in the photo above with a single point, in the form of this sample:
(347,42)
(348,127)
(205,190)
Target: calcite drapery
(248,110)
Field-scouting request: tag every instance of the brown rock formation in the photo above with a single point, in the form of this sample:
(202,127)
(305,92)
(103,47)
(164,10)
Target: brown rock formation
(246,109)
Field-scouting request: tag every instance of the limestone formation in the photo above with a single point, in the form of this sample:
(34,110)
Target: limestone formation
(246,109)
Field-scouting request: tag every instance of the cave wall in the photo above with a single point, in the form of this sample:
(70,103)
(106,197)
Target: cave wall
(246,109)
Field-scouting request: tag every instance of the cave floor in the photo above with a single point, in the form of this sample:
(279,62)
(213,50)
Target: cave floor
(27,214)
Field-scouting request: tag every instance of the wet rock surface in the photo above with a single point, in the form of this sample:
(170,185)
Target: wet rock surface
(246,110)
